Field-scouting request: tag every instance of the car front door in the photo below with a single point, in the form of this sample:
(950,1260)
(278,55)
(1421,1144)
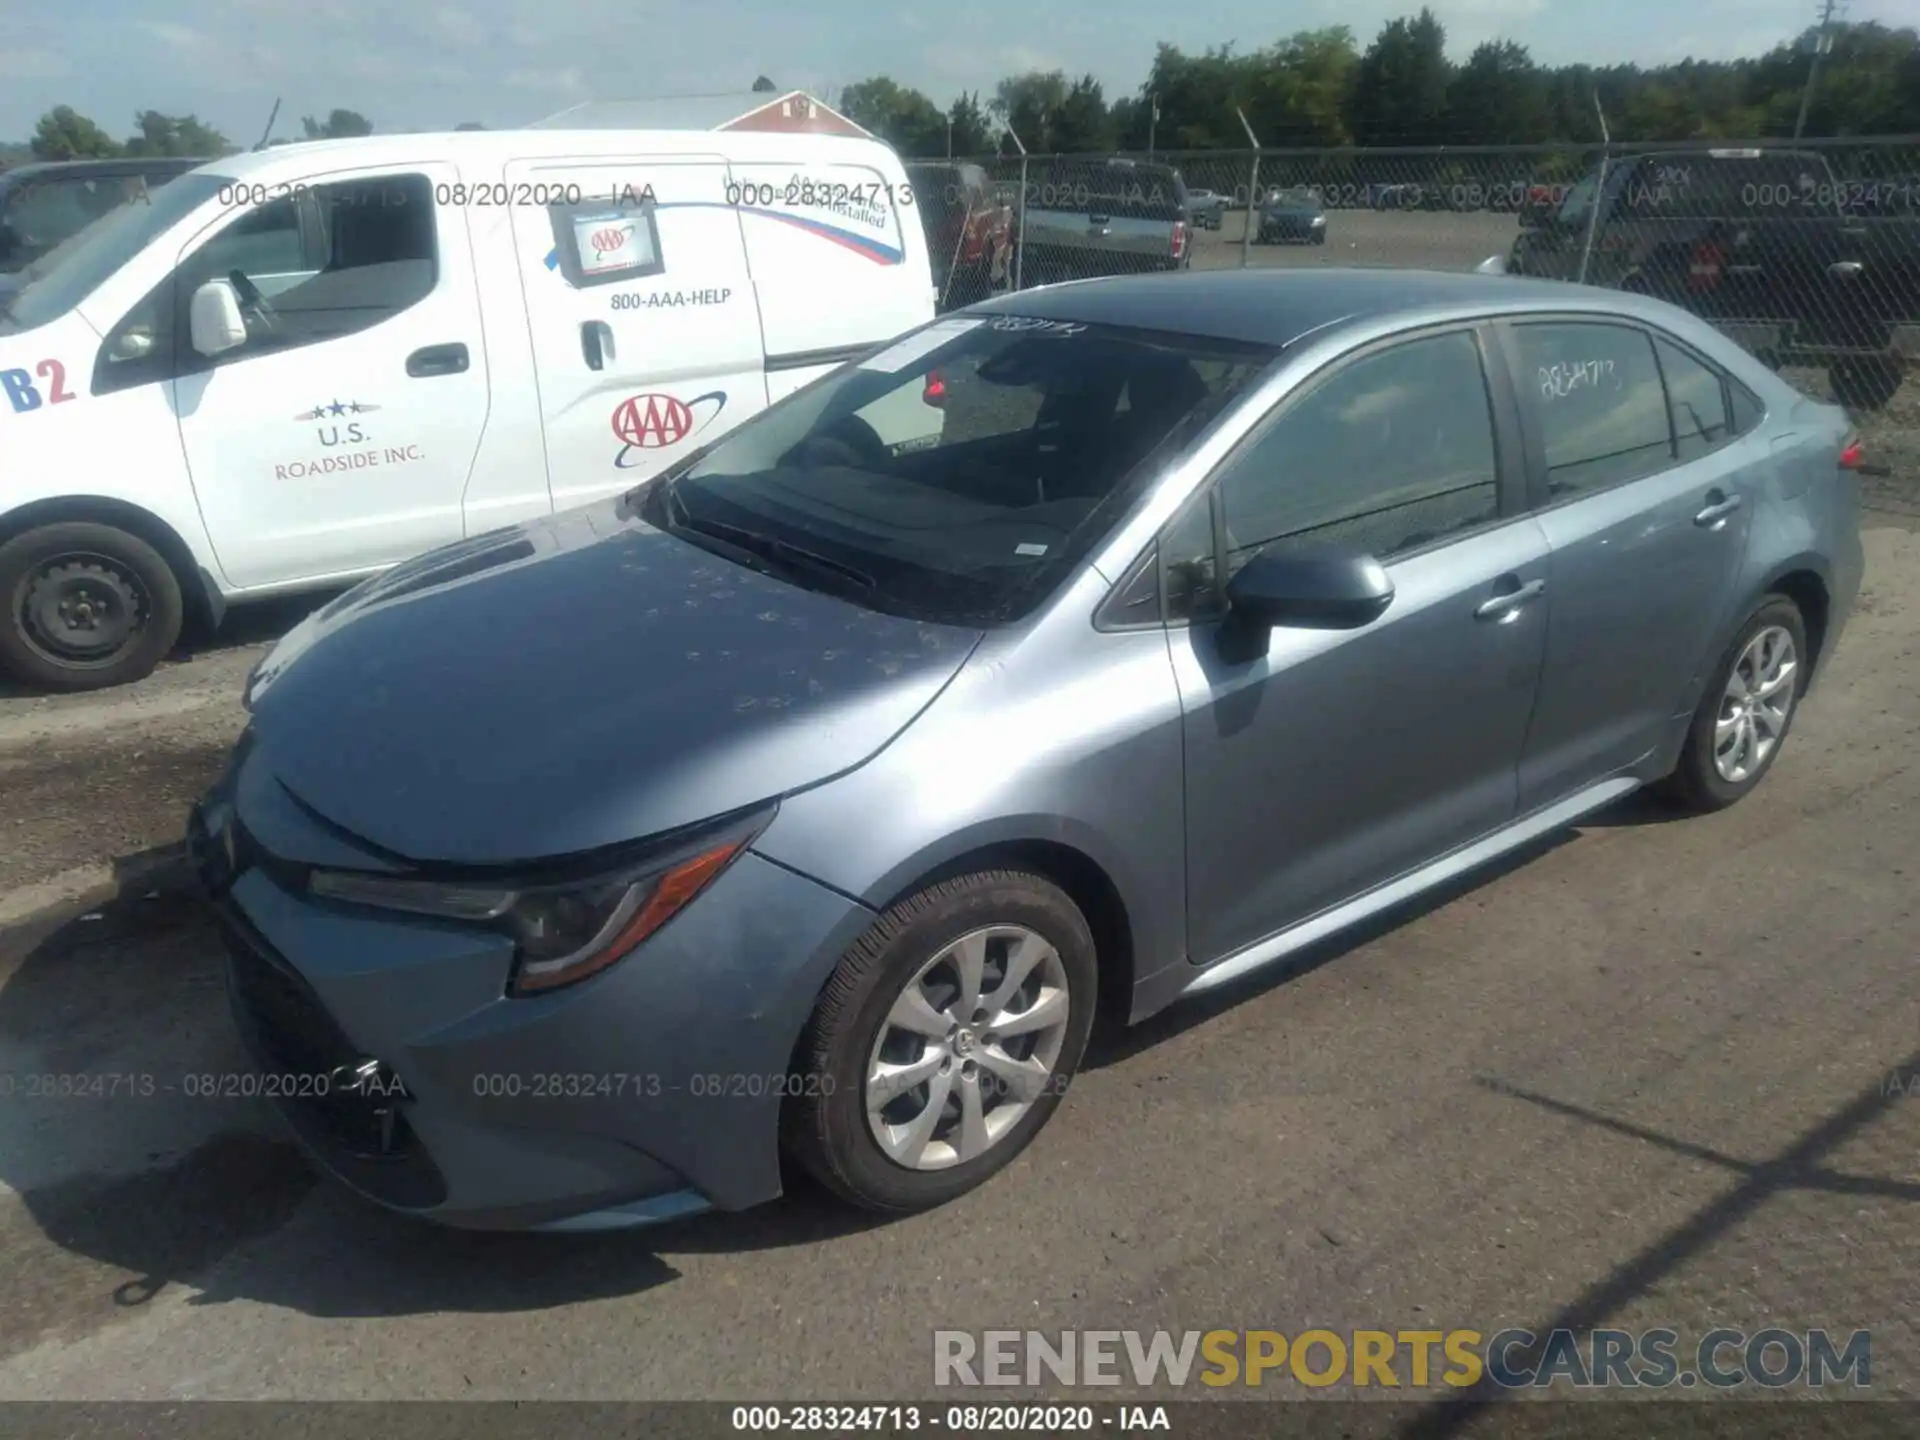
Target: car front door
(340,435)
(1335,761)
(1646,497)
(646,336)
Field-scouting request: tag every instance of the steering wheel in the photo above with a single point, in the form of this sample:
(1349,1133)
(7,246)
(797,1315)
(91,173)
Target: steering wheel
(252,302)
(848,441)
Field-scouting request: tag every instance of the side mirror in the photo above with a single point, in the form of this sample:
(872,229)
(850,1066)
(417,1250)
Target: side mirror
(1310,588)
(214,322)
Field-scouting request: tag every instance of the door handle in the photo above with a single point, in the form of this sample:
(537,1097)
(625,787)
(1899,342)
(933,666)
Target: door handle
(437,360)
(1718,511)
(1504,604)
(596,343)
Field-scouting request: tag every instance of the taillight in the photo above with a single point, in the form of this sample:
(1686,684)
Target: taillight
(1179,238)
(935,393)
(1852,454)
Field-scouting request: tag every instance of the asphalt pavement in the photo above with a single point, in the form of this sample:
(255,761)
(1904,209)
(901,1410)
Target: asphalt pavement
(1662,1072)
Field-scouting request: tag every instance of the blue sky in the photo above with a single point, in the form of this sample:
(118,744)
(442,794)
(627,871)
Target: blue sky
(419,64)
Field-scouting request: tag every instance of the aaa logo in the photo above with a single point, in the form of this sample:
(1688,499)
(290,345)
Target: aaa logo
(655,422)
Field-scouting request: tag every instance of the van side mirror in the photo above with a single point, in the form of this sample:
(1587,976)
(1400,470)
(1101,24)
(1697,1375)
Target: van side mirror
(1321,587)
(214,322)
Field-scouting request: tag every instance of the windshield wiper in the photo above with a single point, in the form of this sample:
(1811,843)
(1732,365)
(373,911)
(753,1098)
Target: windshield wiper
(766,547)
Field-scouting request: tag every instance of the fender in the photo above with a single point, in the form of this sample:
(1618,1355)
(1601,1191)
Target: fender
(199,587)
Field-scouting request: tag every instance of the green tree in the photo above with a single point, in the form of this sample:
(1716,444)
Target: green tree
(64,134)
(903,117)
(1298,88)
(1498,97)
(972,132)
(1082,125)
(338,125)
(1400,85)
(1028,104)
(184,135)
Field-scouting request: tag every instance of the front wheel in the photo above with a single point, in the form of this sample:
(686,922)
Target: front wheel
(1750,703)
(944,1041)
(86,606)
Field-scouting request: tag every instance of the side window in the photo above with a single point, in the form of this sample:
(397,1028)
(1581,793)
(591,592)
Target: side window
(1187,551)
(316,265)
(1747,410)
(1596,397)
(605,242)
(1392,452)
(1696,400)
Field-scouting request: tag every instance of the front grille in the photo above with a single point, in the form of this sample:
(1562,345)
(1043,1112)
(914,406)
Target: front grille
(359,1128)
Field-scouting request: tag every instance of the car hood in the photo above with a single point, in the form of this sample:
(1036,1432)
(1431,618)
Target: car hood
(575,683)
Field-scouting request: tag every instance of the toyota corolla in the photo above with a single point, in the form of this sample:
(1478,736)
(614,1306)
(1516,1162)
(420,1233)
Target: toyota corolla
(801,807)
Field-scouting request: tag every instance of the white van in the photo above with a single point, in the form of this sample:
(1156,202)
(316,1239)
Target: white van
(290,369)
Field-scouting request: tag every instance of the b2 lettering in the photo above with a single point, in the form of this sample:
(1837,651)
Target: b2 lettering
(24,395)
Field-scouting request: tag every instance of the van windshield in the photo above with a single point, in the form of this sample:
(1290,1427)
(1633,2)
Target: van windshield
(960,474)
(77,267)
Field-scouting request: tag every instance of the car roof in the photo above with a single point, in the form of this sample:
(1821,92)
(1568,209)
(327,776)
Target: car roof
(1277,307)
(118,165)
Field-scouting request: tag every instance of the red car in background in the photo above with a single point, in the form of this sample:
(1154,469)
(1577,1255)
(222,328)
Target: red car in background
(969,226)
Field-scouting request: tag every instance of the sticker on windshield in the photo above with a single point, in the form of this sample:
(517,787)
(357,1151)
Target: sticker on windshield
(903,353)
(1031,325)
(1029,548)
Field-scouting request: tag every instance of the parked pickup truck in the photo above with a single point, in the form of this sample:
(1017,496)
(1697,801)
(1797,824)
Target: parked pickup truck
(1768,245)
(1102,217)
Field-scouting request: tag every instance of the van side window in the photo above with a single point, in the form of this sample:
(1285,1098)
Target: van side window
(606,241)
(316,265)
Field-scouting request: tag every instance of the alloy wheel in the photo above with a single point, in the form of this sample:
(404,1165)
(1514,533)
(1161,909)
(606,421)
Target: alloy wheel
(969,1044)
(1755,707)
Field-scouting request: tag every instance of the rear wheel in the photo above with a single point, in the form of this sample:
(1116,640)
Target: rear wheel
(944,1041)
(86,607)
(1749,706)
(1865,384)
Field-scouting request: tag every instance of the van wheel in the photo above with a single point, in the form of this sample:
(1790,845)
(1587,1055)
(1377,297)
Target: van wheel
(1865,384)
(944,1041)
(86,607)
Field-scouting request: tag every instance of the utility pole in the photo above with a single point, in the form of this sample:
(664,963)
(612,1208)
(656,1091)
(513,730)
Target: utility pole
(1153,118)
(1822,46)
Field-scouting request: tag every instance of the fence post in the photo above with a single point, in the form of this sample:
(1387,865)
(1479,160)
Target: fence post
(1020,218)
(1599,188)
(1253,193)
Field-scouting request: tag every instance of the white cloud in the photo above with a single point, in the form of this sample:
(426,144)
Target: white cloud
(34,64)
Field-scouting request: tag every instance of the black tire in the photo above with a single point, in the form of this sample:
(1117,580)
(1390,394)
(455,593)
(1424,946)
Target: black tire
(85,607)
(1696,783)
(1865,384)
(826,1125)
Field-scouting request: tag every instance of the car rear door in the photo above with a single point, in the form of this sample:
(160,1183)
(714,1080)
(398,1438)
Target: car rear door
(646,338)
(1647,498)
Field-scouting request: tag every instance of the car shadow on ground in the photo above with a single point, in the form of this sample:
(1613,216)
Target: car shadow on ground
(1112,1043)
(147,1176)
(137,1171)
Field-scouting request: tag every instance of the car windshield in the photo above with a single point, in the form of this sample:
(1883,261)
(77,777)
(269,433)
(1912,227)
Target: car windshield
(69,274)
(959,475)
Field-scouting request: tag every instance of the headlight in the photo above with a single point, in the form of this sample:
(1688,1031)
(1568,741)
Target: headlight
(563,930)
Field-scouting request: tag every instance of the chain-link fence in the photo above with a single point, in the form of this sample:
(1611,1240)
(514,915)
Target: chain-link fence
(1808,253)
